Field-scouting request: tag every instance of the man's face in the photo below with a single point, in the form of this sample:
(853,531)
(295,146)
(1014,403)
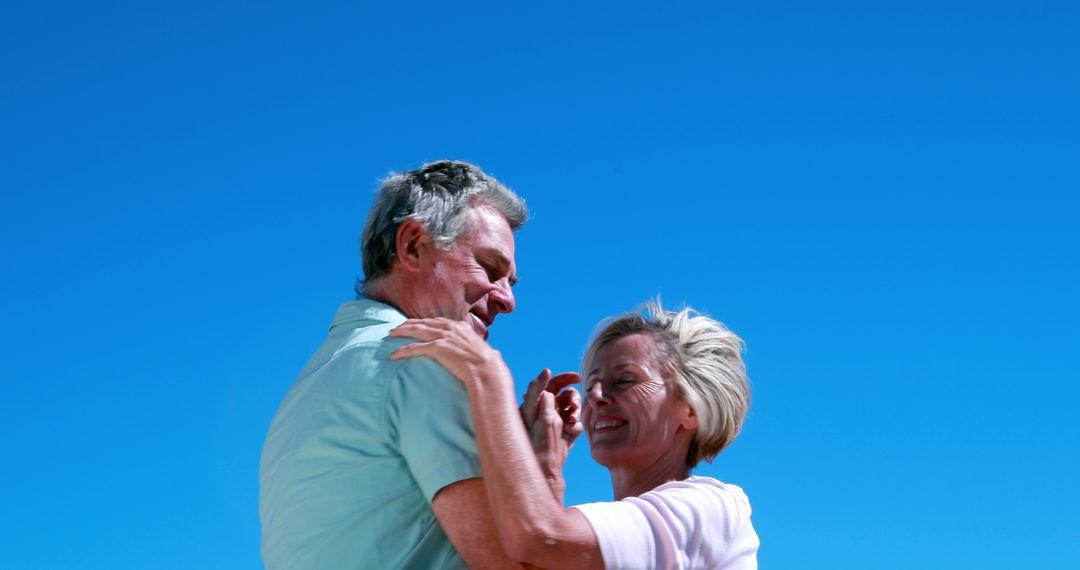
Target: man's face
(471,280)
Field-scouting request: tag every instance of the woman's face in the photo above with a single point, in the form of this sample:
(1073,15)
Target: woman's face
(633,416)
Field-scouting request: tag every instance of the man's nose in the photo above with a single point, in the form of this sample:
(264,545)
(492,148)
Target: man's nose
(503,298)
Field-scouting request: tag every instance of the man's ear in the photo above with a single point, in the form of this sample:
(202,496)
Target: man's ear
(410,243)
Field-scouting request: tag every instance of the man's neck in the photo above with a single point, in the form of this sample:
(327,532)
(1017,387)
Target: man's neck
(389,292)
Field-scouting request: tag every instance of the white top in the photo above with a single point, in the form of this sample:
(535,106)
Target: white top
(696,523)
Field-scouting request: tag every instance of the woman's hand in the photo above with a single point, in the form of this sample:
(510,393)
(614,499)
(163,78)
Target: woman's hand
(550,411)
(547,396)
(455,345)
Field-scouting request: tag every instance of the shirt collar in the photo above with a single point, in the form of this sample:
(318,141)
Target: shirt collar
(366,312)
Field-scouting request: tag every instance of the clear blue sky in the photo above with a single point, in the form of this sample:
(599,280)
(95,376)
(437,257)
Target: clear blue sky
(880,197)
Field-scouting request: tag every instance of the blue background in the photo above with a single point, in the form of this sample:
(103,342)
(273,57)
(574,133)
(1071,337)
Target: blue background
(881,198)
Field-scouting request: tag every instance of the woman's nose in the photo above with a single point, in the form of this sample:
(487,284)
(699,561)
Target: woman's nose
(596,396)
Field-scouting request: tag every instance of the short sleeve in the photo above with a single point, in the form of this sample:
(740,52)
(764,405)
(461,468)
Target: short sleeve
(623,533)
(697,523)
(434,427)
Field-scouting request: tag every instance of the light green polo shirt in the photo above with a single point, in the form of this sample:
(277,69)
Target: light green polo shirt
(357,451)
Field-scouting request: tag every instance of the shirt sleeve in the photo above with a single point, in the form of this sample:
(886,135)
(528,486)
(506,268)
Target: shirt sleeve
(623,533)
(682,524)
(434,427)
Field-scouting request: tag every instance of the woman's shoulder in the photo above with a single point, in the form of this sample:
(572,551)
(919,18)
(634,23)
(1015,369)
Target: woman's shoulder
(704,494)
(703,485)
(698,522)
(705,519)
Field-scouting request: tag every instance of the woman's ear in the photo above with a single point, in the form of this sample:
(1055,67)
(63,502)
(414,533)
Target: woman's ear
(689,419)
(410,244)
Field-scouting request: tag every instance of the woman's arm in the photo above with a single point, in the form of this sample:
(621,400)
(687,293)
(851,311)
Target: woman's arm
(534,527)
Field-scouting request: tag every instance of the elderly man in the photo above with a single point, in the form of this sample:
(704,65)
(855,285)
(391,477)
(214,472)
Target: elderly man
(372,463)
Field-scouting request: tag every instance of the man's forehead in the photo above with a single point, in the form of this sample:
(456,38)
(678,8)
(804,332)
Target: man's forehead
(493,220)
(492,230)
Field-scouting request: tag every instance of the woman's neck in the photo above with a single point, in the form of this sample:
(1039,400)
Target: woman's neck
(628,482)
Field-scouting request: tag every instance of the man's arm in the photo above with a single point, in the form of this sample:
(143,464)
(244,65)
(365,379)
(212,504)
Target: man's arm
(430,414)
(465,515)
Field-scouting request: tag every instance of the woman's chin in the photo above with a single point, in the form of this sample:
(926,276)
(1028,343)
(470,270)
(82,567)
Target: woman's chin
(609,458)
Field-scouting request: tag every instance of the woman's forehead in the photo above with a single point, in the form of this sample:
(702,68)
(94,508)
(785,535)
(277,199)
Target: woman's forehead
(633,350)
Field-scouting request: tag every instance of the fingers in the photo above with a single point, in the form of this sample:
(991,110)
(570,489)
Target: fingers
(422,329)
(531,402)
(560,412)
(439,350)
(417,331)
(546,383)
(439,336)
(430,329)
(570,397)
(433,348)
(438,323)
(572,431)
(562,380)
(568,403)
(548,413)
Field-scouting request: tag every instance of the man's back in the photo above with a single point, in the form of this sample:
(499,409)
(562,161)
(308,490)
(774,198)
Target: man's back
(357,451)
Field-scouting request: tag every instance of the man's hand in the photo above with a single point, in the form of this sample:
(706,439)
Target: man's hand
(550,412)
(566,402)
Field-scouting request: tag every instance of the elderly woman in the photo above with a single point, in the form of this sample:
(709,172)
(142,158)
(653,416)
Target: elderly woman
(664,391)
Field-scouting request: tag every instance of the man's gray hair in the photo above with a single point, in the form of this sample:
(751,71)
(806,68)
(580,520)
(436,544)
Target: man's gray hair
(439,195)
(703,358)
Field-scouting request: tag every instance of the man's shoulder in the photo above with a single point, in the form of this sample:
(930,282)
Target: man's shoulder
(371,339)
(359,334)
(372,348)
